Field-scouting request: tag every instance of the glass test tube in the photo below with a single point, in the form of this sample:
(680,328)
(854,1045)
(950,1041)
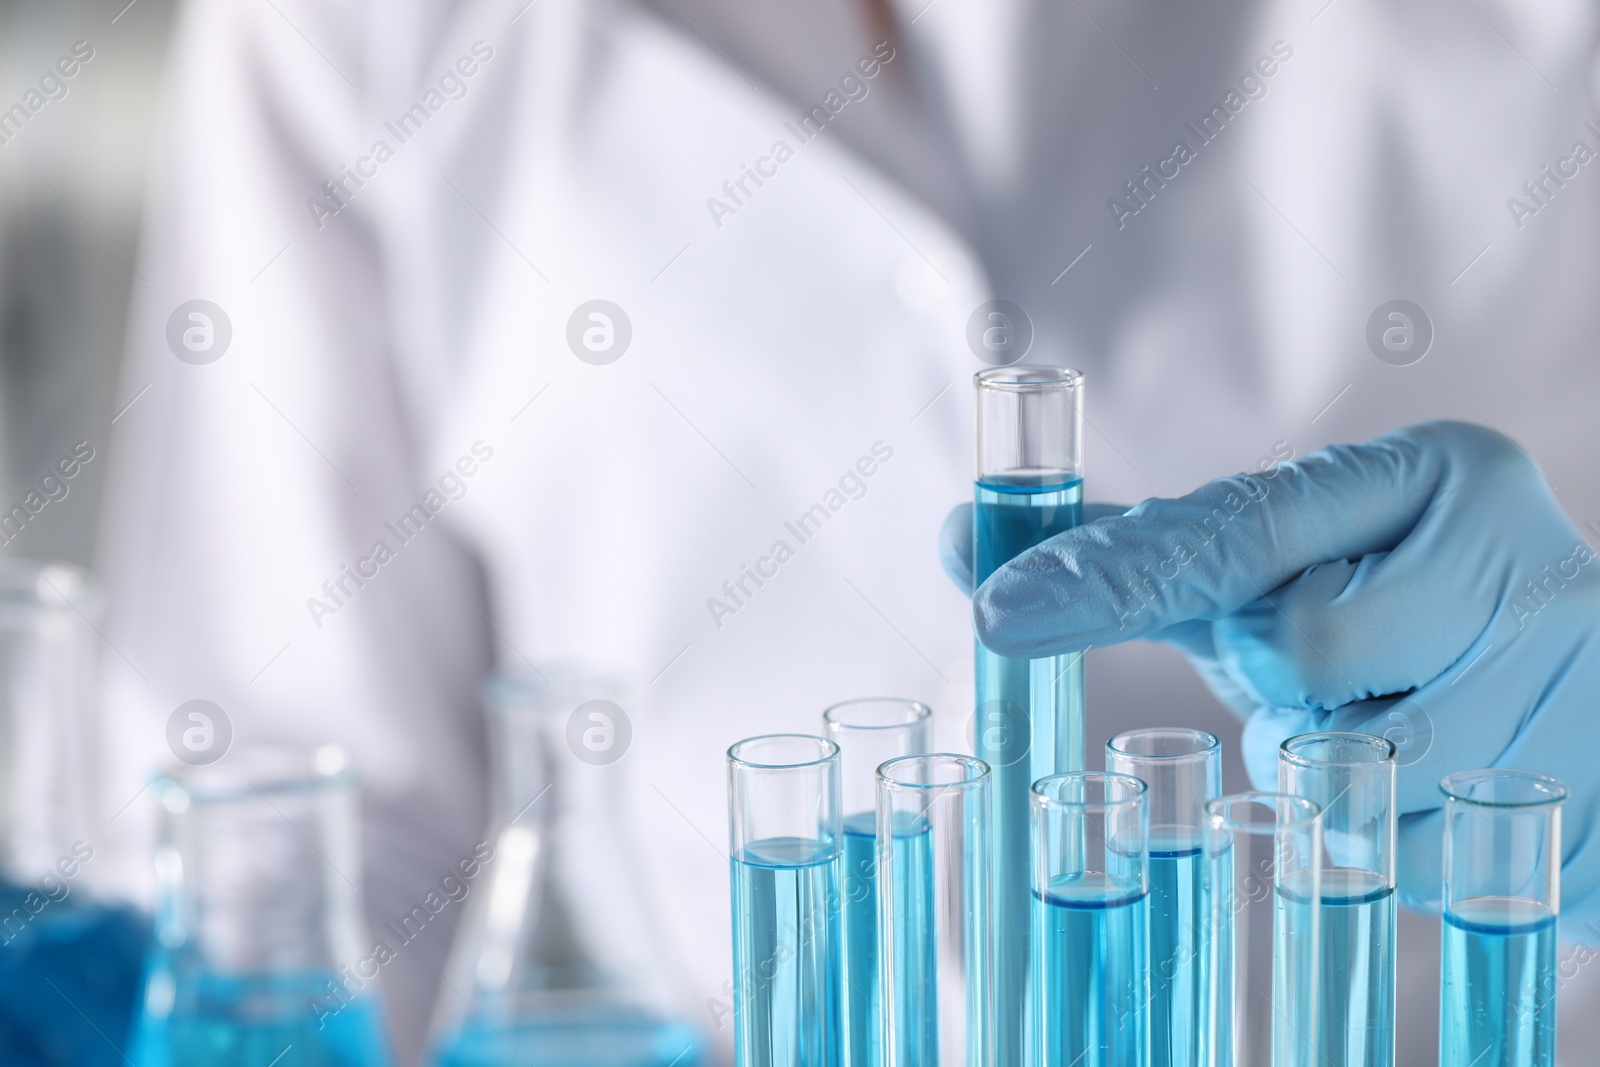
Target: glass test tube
(1028,719)
(868,732)
(1351,777)
(1183,770)
(1088,962)
(784,825)
(1502,896)
(933,820)
(1262,898)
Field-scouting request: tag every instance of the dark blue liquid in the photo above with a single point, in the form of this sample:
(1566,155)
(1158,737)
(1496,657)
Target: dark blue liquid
(1176,921)
(861,993)
(1089,975)
(1028,724)
(286,1020)
(786,964)
(1497,998)
(69,980)
(614,1037)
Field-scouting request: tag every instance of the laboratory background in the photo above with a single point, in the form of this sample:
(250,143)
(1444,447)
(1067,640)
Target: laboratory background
(435,432)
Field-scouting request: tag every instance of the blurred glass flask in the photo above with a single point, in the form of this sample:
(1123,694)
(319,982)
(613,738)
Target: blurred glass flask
(261,956)
(557,962)
(70,950)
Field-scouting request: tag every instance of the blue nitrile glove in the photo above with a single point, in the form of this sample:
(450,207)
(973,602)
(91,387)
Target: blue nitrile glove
(1425,586)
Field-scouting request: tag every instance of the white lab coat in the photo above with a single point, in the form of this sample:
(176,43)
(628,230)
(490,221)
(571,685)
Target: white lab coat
(772,346)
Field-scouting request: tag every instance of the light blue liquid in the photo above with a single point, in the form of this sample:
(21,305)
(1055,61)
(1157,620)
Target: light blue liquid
(1029,724)
(861,940)
(290,1018)
(1355,984)
(1497,998)
(69,979)
(1089,975)
(597,1037)
(914,1004)
(786,959)
(1176,921)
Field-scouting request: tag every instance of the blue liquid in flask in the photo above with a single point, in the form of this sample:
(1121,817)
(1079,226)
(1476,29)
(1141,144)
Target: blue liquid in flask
(598,1036)
(1028,722)
(1176,921)
(1498,992)
(786,951)
(286,1020)
(1355,994)
(1090,977)
(69,979)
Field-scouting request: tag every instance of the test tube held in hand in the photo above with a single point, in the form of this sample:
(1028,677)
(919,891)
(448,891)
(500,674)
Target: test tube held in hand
(1028,717)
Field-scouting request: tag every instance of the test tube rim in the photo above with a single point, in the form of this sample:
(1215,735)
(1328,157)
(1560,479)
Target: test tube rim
(1369,741)
(180,788)
(1558,796)
(920,713)
(1310,810)
(1039,794)
(1213,744)
(969,762)
(996,378)
(830,751)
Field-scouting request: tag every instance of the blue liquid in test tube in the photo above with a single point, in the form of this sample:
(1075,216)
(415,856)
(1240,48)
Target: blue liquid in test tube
(785,830)
(1092,936)
(869,732)
(1089,957)
(1028,720)
(1502,874)
(1352,777)
(915,995)
(1182,769)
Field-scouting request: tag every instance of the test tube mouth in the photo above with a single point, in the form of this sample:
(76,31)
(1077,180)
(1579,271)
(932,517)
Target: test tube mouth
(1028,378)
(937,770)
(1157,743)
(876,713)
(255,774)
(1089,790)
(1336,749)
(1497,787)
(1260,813)
(772,752)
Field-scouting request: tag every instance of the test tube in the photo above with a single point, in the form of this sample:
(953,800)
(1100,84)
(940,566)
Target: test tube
(868,732)
(1028,721)
(1262,891)
(784,825)
(1088,963)
(1502,894)
(933,818)
(1183,770)
(1351,777)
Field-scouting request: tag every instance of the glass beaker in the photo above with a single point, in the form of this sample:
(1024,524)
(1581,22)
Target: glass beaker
(260,953)
(70,949)
(557,962)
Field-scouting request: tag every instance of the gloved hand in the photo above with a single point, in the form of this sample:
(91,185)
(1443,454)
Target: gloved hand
(1424,586)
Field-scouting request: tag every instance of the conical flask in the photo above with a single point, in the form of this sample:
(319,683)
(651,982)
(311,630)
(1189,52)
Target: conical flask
(557,963)
(70,947)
